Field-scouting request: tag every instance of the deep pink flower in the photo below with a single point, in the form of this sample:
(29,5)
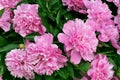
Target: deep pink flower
(9,3)
(26,20)
(6,19)
(45,56)
(100,68)
(79,40)
(76,5)
(18,64)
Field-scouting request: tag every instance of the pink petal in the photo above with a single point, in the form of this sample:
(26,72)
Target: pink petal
(75,57)
(62,38)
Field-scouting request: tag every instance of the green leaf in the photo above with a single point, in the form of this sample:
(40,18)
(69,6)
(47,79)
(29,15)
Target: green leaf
(2,63)
(52,2)
(41,3)
(55,32)
(70,70)
(58,17)
(84,66)
(3,41)
(112,61)
(49,78)
(31,36)
(8,47)
(56,6)
(1,12)
(105,44)
(2,70)
(51,16)
(63,73)
(38,77)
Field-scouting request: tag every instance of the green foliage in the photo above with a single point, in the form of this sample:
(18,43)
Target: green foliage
(1,12)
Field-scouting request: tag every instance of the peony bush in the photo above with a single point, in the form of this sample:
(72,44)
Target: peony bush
(59,40)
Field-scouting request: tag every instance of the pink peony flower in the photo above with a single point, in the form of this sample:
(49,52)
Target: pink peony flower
(117,19)
(100,68)
(45,56)
(76,5)
(96,12)
(9,3)
(6,19)
(18,64)
(103,23)
(1,78)
(78,44)
(26,20)
(108,33)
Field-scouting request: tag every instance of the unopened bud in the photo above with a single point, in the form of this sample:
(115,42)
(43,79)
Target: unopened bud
(21,46)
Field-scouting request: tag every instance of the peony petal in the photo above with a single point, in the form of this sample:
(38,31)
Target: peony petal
(63,38)
(75,57)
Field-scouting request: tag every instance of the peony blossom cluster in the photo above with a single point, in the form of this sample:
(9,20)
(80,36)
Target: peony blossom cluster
(78,37)
(41,57)
(26,20)
(76,5)
(103,23)
(77,43)
(100,68)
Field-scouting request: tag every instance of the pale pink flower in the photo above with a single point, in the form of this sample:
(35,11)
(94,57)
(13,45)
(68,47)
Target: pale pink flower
(6,19)
(108,33)
(114,40)
(76,5)
(103,23)
(1,78)
(45,56)
(100,68)
(18,64)
(26,20)
(117,19)
(96,12)
(79,40)
(116,44)
(9,3)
